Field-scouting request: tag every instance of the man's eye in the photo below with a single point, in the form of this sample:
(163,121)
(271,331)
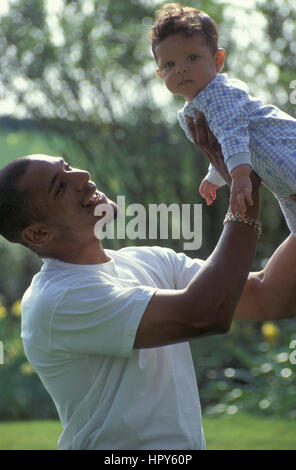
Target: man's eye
(60,187)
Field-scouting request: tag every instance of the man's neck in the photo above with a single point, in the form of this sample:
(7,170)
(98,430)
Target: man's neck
(90,254)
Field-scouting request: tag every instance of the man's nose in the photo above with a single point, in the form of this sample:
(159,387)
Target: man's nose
(81,178)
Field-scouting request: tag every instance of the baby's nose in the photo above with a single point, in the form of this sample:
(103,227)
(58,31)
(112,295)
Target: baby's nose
(182,67)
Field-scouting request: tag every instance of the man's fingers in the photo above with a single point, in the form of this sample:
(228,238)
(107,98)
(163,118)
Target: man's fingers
(249,200)
(202,130)
(238,203)
(192,128)
(241,203)
(213,142)
(233,206)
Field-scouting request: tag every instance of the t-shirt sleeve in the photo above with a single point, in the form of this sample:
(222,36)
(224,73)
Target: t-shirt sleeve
(168,269)
(102,319)
(174,270)
(185,269)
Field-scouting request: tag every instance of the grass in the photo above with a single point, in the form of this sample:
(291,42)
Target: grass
(239,432)
(249,432)
(26,435)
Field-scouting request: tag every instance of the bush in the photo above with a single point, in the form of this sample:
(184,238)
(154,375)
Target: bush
(249,369)
(22,395)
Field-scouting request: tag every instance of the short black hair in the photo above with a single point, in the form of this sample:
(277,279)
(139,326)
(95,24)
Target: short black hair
(18,208)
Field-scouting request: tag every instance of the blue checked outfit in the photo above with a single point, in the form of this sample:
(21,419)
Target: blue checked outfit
(249,132)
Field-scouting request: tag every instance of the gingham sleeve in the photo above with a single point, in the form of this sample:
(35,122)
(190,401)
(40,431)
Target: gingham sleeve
(213,176)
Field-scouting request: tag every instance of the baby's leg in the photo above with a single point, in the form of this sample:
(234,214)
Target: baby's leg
(288,207)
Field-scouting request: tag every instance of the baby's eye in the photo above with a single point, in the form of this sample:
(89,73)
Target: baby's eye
(192,57)
(169,64)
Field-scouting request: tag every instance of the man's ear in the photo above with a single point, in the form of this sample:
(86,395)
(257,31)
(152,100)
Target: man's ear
(159,73)
(220,59)
(37,235)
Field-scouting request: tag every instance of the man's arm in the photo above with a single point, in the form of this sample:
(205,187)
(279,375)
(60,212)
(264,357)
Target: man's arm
(271,293)
(206,306)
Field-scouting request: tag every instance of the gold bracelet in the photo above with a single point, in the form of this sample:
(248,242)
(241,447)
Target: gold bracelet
(254,223)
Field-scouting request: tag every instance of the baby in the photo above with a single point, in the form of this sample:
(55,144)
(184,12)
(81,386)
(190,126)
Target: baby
(251,135)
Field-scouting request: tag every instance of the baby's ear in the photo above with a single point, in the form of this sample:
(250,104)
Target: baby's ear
(159,73)
(220,59)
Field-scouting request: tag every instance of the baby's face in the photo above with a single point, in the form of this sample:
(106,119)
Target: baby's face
(186,64)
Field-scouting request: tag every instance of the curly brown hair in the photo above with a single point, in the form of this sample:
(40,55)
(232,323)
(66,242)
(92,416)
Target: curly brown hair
(172,18)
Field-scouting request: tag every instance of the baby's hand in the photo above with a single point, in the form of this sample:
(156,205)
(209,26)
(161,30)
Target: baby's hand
(241,190)
(208,191)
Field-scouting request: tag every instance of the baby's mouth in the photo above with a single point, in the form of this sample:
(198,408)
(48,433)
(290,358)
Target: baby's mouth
(185,82)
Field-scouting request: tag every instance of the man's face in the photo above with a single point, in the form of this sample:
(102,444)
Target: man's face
(67,196)
(186,64)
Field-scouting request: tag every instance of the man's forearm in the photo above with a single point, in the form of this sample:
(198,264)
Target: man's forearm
(220,282)
(271,293)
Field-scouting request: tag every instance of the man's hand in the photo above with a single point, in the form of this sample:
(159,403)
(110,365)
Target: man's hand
(208,144)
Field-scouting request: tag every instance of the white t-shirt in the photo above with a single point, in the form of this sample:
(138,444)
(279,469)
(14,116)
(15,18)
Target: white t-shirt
(78,328)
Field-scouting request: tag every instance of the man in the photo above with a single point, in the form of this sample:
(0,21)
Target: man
(106,330)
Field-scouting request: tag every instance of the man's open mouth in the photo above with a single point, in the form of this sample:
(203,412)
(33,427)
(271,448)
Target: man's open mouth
(94,198)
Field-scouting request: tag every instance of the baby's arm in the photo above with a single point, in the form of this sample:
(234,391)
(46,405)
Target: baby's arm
(241,189)
(209,185)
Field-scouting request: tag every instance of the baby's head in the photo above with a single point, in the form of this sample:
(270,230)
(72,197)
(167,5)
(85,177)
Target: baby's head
(185,46)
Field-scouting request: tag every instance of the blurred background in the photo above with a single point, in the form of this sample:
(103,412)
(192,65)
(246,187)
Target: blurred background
(77,79)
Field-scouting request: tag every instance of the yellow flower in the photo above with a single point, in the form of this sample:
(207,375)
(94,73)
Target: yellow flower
(26,368)
(3,312)
(270,332)
(16,309)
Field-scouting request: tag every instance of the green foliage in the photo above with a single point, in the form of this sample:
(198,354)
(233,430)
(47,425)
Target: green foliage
(248,370)
(22,396)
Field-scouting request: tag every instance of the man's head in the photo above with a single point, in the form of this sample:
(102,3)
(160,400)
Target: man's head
(18,208)
(48,206)
(185,46)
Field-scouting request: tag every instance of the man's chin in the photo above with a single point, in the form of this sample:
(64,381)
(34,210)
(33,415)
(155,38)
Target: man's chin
(104,214)
(111,211)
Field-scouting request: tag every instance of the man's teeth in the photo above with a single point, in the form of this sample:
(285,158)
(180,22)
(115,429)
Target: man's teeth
(94,198)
